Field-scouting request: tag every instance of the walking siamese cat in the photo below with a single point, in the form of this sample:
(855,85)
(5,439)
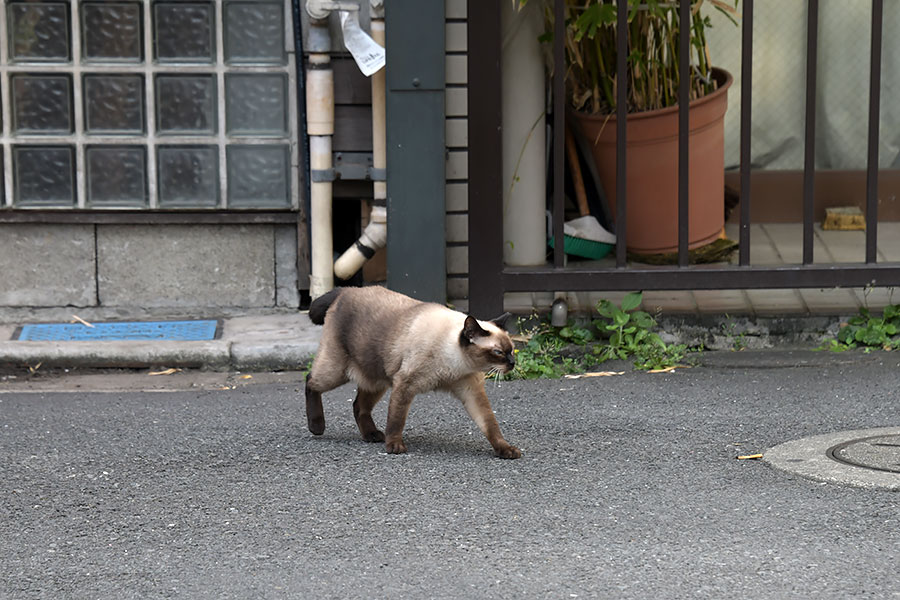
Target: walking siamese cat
(381,339)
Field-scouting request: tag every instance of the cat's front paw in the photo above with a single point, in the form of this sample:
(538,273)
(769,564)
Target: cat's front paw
(507,451)
(395,447)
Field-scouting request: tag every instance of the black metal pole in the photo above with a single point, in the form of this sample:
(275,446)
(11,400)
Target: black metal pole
(559,124)
(874,121)
(621,116)
(746,104)
(304,238)
(684,128)
(809,164)
(485,160)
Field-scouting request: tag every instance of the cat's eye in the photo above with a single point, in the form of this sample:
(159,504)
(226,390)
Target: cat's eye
(497,352)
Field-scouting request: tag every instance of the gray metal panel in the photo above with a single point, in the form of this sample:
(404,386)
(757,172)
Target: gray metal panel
(416,257)
(414,44)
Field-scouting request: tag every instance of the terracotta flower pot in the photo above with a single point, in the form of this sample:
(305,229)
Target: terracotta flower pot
(652,170)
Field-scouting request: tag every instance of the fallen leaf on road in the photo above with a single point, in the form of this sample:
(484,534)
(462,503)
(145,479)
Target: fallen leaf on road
(666,370)
(165,372)
(596,374)
(246,376)
(750,457)
(77,319)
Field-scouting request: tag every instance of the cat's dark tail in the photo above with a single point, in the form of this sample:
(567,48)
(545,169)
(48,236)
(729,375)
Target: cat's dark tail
(320,306)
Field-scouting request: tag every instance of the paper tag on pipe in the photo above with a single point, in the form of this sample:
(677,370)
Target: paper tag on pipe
(367,53)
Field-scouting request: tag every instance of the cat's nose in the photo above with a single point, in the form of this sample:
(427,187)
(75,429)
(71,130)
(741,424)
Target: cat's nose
(511,360)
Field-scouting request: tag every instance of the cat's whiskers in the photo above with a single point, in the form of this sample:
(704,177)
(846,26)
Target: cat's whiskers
(495,373)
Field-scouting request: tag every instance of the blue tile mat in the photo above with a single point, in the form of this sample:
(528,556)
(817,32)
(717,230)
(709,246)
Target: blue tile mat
(123,331)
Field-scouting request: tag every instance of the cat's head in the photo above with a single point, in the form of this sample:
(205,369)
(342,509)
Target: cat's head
(487,345)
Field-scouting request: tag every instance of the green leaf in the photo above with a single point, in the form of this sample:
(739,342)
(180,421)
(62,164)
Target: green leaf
(620,319)
(631,301)
(643,320)
(606,308)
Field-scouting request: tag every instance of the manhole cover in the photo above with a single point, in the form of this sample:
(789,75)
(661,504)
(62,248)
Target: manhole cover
(880,452)
(868,458)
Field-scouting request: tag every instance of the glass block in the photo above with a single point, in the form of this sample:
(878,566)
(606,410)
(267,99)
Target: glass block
(258,176)
(186,104)
(256,104)
(112,31)
(43,176)
(188,176)
(184,32)
(39,31)
(114,103)
(254,32)
(116,176)
(42,104)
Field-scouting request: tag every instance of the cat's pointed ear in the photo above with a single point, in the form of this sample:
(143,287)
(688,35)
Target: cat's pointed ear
(501,320)
(472,330)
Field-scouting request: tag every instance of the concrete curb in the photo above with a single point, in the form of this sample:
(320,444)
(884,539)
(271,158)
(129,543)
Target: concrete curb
(261,342)
(275,357)
(215,354)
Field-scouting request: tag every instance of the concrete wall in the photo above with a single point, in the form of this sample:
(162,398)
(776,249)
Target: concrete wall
(148,266)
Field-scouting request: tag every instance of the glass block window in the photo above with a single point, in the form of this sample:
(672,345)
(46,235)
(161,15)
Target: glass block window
(113,104)
(116,176)
(184,31)
(188,176)
(258,176)
(38,31)
(254,33)
(112,32)
(186,104)
(148,105)
(43,175)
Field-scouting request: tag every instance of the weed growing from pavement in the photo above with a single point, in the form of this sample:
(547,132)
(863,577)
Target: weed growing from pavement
(738,340)
(631,336)
(623,333)
(868,331)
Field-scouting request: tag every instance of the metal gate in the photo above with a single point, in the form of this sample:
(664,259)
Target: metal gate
(489,278)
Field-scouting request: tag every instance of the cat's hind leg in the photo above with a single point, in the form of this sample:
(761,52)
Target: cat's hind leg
(362,411)
(324,376)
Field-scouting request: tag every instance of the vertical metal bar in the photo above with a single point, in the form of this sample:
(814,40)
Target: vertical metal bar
(746,103)
(621,116)
(485,159)
(559,124)
(6,162)
(684,99)
(809,164)
(299,153)
(874,120)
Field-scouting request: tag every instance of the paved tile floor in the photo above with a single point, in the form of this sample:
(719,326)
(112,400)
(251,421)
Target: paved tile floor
(770,244)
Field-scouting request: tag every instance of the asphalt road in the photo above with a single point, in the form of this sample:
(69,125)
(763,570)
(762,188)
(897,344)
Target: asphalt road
(628,488)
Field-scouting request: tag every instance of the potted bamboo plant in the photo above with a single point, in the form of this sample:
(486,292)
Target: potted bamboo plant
(652,126)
